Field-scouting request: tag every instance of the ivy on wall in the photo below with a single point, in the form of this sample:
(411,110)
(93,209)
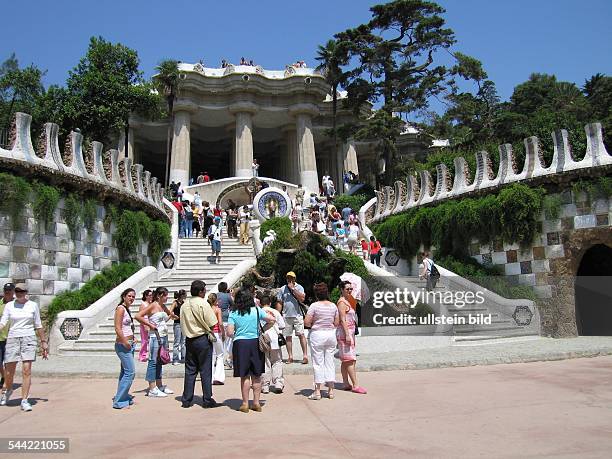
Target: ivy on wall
(15,192)
(45,202)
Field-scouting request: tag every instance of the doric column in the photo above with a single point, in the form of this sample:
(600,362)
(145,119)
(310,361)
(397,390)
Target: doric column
(306,148)
(243,157)
(180,160)
(290,156)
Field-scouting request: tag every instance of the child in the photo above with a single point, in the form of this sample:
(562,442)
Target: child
(274,362)
(218,371)
(364,249)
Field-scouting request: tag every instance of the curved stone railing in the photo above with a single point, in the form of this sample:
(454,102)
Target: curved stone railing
(414,193)
(290,71)
(103,172)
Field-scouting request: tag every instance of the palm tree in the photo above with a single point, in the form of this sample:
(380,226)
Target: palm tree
(332,57)
(167,80)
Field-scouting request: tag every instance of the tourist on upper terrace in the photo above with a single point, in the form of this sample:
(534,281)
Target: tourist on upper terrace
(244,326)
(255,168)
(299,195)
(23,318)
(124,347)
(224,63)
(291,295)
(243,61)
(8,295)
(273,377)
(375,251)
(197,322)
(200,178)
(173,189)
(244,216)
(197,199)
(147,298)
(216,237)
(178,351)
(218,370)
(156,318)
(345,335)
(322,318)
(179,191)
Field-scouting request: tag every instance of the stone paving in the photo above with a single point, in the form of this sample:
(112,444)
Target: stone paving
(375,354)
(541,409)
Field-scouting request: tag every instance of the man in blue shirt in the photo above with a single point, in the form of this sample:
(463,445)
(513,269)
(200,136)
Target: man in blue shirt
(291,295)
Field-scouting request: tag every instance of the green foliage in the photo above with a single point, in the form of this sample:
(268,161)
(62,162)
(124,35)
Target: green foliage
(451,225)
(93,290)
(90,213)
(355,202)
(144,226)
(600,187)
(112,215)
(160,238)
(45,202)
(73,211)
(281,225)
(552,206)
(15,192)
(491,278)
(354,264)
(127,235)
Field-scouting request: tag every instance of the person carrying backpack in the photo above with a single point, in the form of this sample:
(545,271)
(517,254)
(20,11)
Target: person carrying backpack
(429,272)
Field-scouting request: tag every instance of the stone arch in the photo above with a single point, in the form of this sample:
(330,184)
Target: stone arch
(559,312)
(593,292)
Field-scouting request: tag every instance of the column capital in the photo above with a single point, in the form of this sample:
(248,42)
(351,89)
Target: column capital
(243,107)
(304,109)
(182,105)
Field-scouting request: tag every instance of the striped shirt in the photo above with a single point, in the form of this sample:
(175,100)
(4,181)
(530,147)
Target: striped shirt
(323,314)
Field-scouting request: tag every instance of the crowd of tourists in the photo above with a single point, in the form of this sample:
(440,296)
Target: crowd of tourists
(243,330)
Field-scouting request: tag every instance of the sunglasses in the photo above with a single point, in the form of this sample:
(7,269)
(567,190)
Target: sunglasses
(350,289)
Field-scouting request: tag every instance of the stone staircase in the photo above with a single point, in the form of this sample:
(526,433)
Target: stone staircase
(194,262)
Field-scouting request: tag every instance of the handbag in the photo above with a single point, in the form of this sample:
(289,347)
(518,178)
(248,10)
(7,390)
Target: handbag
(262,337)
(164,354)
(281,340)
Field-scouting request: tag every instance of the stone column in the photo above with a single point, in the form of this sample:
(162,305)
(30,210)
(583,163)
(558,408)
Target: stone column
(121,144)
(306,147)
(290,158)
(180,160)
(350,157)
(243,157)
(231,130)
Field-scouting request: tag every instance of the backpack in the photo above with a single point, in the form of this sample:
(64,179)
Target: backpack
(210,233)
(433,271)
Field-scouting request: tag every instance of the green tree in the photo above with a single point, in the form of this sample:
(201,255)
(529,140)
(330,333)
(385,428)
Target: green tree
(105,88)
(598,91)
(167,82)
(395,67)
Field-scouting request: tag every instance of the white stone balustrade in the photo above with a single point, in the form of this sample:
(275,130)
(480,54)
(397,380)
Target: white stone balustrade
(422,191)
(50,158)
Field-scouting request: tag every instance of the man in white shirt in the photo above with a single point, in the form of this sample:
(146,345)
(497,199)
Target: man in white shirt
(255,168)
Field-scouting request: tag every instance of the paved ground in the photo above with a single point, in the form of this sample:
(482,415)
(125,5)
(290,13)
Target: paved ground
(559,409)
(377,353)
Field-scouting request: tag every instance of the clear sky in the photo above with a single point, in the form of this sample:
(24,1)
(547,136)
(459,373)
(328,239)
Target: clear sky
(569,38)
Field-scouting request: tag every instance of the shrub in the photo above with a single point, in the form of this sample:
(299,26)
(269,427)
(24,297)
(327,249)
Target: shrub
(73,210)
(281,225)
(552,206)
(355,202)
(160,238)
(45,202)
(15,192)
(144,225)
(354,264)
(90,213)
(93,290)
(127,235)
(112,215)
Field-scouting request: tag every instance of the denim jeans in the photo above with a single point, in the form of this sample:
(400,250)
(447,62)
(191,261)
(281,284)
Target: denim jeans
(178,349)
(126,376)
(189,227)
(154,366)
(182,226)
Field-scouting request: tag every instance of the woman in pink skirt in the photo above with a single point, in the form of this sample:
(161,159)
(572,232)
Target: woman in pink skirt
(147,297)
(345,335)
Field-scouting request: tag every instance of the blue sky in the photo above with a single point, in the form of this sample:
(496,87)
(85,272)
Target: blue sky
(569,38)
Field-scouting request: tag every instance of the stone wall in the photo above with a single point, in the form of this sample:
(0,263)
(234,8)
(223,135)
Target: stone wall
(550,263)
(49,260)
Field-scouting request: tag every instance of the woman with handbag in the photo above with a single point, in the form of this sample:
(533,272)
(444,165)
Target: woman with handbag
(345,335)
(124,347)
(158,341)
(244,325)
(274,359)
(322,318)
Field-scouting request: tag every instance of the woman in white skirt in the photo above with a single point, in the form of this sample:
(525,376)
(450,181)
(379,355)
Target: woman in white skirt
(322,318)
(218,369)
(23,316)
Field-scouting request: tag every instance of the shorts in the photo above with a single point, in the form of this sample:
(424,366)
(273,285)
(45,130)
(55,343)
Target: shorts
(293,323)
(216,246)
(21,349)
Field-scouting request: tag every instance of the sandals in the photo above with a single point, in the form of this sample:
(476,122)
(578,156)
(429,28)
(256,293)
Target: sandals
(314,396)
(330,396)
(359,390)
(244,408)
(305,361)
(347,387)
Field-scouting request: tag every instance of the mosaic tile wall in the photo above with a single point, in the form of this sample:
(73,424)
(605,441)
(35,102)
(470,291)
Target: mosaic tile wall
(49,260)
(531,266)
